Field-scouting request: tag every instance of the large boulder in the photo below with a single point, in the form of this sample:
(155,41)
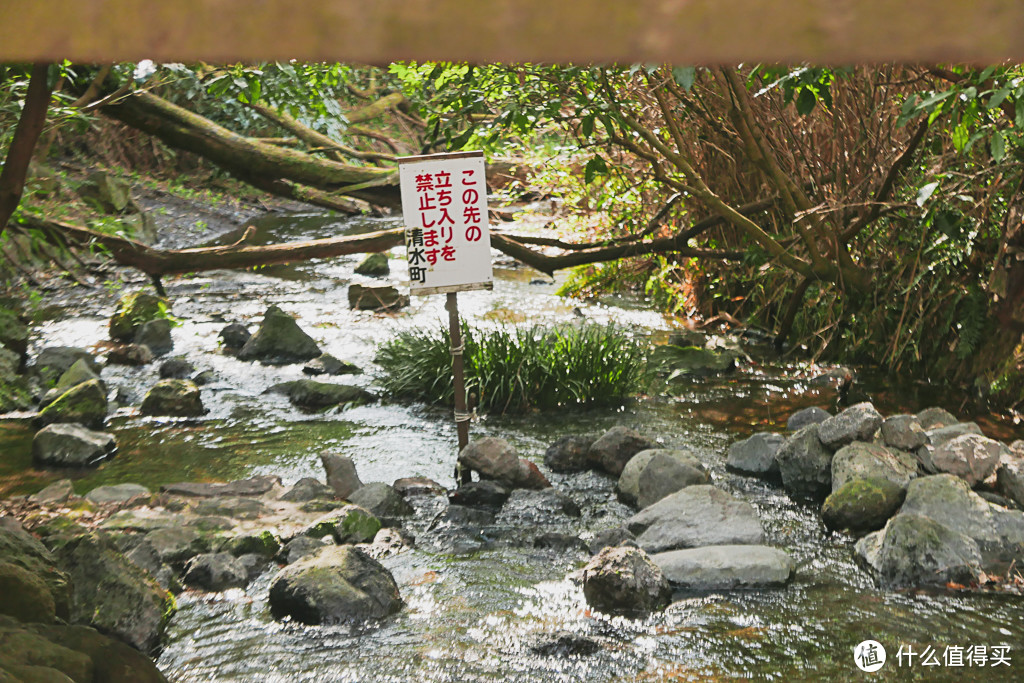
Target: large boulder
(133,311)
(756,455)
(112,594)
(336,584)
(384,298)
(568,454)
(857,423)
(805,417)
(215,572)
(615,448)
(112,660)
(71,445)
(937,437)
(116,493)
(696,516)
(915,550)
(805,465)
(341,474)
(624,580)
(653,474)
(54,361)
(25,596)
(36,659)
(19,548)
(279,341)
(903,432)
(307,489)
(496,459)
(382,500)
(971,457)
(1010,473)
(725,567)
(79,373)
(173,398)
(85,404)
(862,505)
(866,460)
(130,354)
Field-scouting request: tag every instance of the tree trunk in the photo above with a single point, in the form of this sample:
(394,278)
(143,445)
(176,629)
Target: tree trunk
(30,125)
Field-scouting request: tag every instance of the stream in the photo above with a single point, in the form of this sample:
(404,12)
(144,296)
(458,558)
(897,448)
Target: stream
(507,613)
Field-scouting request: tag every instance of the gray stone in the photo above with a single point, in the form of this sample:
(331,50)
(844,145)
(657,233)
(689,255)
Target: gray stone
(805,417)
(341,474)
(300,547)
(54,361)
(57,493)
(866,460)
(857,423)
(1010,474)
(623,580)
(130,354)
(609,538)
(726,567)
(903,432)
(374,265)
(336,584)
(24,596)
(175,545)
(156,335)
(326,364)
(71,445)
(666,473)
(234,507)
(496,459)
(615,448)
(234,336)
(173,398)
(483,493)
(915,550)
(554,540)
(805,465)
(382,500)
(116,493)
(20,548)
(971,457)
(85,404)
(537,508)
(940,435)
(307,489)
(756,455)
(105,192)
(693,517)
(279,341)
(385,298)
(79,373)
(568,454)
(862,505)
(409,487)
(215,572)
(253,486)
(176,368)
(313,395)
(931,418)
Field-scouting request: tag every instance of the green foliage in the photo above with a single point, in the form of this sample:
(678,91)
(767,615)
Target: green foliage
(519,369)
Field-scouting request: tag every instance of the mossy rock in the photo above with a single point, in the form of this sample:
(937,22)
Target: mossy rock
(863,505)
(106,193)
(133,310)
(350,524)
(23,550)
(13,332)
(24,596)
(85,404)
(79,373)
(264,544)
(374,265)
(113,661)
(14,390)
(31,654)
(173,398)
(279,341)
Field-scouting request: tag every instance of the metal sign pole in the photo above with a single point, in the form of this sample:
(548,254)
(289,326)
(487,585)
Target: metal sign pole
(463,475)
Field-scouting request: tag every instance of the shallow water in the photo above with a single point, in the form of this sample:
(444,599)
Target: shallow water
(475,617)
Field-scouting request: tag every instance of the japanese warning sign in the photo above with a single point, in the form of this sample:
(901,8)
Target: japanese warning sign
(444,202)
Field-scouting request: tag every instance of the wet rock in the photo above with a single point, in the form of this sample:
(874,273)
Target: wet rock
(176,368)
(694,517)
(382,500)
(38,660)
(862,505)
(805,417)
(971,457)
(409,487)
(326,364)
(173,398)
(903,432)
(79,373)
(141,226)
(931,418)
(156,336)
(376,298)
(234,336)
(57,493)
(177,544)
(1010,473)
(537,508)
(726,567)
(204,378)
(133,311)
(805,465)
(236,508)
(215,572)
(865,460)
(130,354)
(496,459)
(628,486)
(374,265)
(25,596)
(561,542)
(112,660)
(348,524)
(335,584)
(390,541)
(313,395)
(262,543)
(341,474)
(19,548)
(279,341)
(856,423)
(667,472)
(563,644)
(54,361)
(568,454)
(615,448)
(624,580)
(914,550)
(253,486)
(756,455)
(141,519)
(300,547)
(307,489)
(692,361)
(482,493)
(462,516)
(71,445)
(937,437)
(113,595)
(610,538)
(84,404)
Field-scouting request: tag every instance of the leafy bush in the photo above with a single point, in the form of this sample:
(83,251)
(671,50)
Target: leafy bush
(518,369)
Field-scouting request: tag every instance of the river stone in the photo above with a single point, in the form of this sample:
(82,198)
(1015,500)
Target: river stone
(307,393)
(156,336)
(84,404)
(866,460)
(113,595)
(307,489)
(410,487)
(173,398)
(263,543)
(234,336)
(54,361)
(862,505)
(336,584)
(914,550)
(483,493)
(56,493)
(326,364)
(341,474)
(21,549)
(615,448)
(36,659)
(133,310)
(807,416)
(666,473)
(79,372)
(756,455)
(971,457)
(903,432)
(496,459)
(113,661)
(25,596)
(177,544)
(130,354)
(562,644)
(374,265)
(215,572)
(624,580)
(694,517)
(609,538)
(805,465)
(279,341)
(15,392)
(230,506)
(1010,473)
(116,493)
(725,567)
(938,436)
(382,500)
(176,368)
(857,423)
(931,418)
(543,507)
(71,445)
(348,524)
(385,298)
(141,519)
(568,454)
(253,486)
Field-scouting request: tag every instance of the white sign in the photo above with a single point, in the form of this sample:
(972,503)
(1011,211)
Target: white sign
(447,238)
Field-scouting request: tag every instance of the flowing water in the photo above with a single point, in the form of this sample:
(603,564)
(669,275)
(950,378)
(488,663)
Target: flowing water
(507,612)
